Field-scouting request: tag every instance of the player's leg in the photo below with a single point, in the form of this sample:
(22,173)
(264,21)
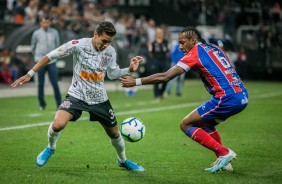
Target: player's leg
(119,145)
(116,140)
(213,112)
(191,126)
(212,131)
(68,111)
(105,115)
(60,121)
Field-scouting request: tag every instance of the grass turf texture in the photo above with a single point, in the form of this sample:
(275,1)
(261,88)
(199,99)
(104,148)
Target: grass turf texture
(85,155)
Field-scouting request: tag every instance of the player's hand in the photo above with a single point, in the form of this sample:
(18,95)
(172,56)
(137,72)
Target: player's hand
(127,81)
(21,80)
(134,63)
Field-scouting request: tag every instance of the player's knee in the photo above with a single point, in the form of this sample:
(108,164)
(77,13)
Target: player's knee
(113,132)
(114,135)
(184,126)
(56,126)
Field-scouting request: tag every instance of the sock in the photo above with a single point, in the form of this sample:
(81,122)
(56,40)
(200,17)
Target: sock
(52,137)
(203,138)
(214,134)
(119,145)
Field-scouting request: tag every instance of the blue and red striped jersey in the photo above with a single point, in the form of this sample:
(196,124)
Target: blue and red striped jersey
(213,65)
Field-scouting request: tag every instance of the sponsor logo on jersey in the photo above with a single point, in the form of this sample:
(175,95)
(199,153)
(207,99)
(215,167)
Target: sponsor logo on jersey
(235,81)
(94,94)
(229,71)
(245,100)
(91,76)
(74,42)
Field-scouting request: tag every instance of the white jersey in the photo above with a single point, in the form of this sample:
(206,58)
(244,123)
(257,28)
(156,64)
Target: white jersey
(89,70)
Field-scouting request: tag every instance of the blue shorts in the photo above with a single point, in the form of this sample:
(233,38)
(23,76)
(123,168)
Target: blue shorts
(217,110)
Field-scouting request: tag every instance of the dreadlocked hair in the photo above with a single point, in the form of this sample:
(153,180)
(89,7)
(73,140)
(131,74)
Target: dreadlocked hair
(190,32)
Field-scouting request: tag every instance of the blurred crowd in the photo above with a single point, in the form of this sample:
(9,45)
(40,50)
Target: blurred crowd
(78,16)
(81,16)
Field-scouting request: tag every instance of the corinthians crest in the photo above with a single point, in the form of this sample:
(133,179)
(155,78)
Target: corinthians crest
(66,104)
(105,58)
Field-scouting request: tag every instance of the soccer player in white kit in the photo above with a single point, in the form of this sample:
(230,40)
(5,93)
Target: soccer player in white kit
(93,58)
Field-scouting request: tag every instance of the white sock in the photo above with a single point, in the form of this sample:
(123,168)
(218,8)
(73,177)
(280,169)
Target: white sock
(52,137)
(120,148)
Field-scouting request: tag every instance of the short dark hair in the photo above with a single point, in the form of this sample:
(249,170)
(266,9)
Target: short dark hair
(190,32)
(46,17)
(106,27)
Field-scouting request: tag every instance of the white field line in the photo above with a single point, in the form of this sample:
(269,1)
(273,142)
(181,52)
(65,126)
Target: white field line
(172,107)
(118,113)
(267,95)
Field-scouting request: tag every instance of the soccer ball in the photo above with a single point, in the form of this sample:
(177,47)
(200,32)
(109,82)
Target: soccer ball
(132,129)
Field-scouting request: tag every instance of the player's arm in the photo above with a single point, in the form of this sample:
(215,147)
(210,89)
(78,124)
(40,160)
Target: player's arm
(42,62)
(114,72)
(64,50)
(174,71)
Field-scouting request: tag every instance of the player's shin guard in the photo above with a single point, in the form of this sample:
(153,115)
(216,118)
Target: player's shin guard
(119,145)
(52,137)
(203,138)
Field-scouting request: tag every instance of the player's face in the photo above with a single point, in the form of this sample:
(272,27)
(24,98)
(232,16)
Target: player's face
(101,42)
(185,44)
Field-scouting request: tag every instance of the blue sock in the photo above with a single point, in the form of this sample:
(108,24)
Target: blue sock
(189,132)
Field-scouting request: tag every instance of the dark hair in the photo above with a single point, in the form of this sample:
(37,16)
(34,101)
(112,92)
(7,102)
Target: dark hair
(46,17)
(190,32)
(106,27)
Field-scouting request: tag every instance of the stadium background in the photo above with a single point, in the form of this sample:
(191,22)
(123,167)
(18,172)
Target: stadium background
(85,155)
(250,31)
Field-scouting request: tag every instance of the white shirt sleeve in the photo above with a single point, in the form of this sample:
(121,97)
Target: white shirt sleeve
(114,71)
(64,50)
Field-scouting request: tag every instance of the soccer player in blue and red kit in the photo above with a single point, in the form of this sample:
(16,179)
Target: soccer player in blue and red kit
(229,95)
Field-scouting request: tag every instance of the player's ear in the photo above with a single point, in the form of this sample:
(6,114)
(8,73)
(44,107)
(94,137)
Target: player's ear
(194,40)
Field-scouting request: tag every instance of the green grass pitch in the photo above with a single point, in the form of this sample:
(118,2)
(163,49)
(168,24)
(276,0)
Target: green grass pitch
(84,153)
